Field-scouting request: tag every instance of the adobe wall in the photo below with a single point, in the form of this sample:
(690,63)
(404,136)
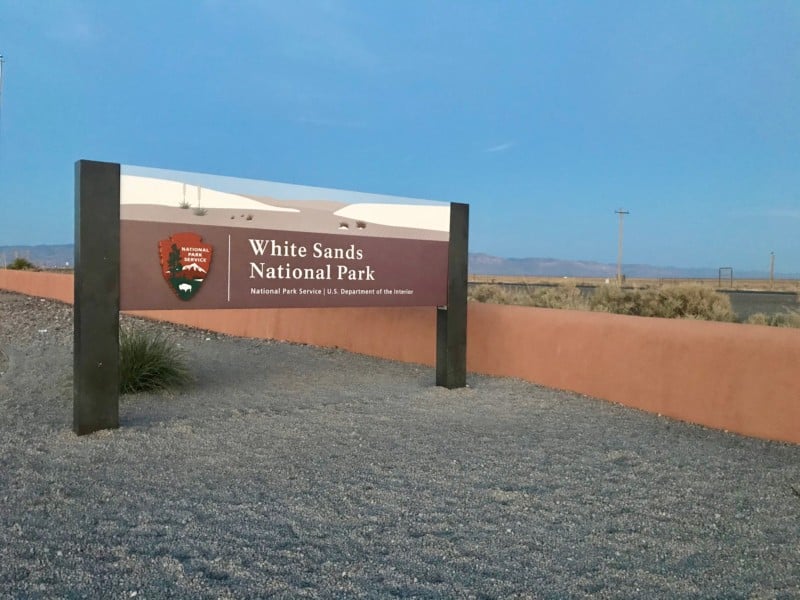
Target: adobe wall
(742,378)
(734,377)
(56,286)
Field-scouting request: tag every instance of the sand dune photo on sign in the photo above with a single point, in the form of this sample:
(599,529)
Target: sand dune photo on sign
(170,197)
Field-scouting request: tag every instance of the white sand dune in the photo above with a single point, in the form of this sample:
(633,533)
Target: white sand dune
(163,192)
(137,191)
(436,218)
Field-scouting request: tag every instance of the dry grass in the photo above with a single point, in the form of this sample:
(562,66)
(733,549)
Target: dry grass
(683,301)
(562,296)
(790,318)
(680,301)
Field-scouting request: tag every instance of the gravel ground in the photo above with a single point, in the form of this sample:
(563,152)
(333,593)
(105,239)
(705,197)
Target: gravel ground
(300,472)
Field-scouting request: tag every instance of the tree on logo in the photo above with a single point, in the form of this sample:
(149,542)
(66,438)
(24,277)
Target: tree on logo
(175,265)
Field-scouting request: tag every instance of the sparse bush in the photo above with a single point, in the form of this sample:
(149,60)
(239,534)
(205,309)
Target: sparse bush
(558,296)
(687,301)
(681,301)
(149,362)
(493,294)
(758,319)
(22,264)
(184,204)
(200,211)
(566,296)
(791,318)
(615,299)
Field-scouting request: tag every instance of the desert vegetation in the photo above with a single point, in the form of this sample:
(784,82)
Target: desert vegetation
(761,285)
(790,318)
(149,362)
(677,301)
(22,264)
(681,301)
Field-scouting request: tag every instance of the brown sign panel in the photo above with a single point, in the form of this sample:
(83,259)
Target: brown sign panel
(320,253)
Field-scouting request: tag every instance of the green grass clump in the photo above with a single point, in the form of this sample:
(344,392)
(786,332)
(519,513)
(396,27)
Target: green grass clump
(791,318)
(149,362)
(22,264)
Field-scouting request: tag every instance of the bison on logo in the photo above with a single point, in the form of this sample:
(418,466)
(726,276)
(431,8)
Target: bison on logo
(185,263)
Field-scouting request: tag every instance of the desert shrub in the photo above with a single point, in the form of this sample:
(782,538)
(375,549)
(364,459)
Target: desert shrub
(149,362)
(22,264)
(680,301)
(615,299)
(493,294)
(791,318)
(687,301)
(200,212)
(566,296)
(758,319)
(184,204)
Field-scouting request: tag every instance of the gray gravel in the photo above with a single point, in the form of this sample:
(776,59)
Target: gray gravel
(300,472)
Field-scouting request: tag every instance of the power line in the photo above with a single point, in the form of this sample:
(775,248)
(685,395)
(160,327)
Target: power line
(771,269)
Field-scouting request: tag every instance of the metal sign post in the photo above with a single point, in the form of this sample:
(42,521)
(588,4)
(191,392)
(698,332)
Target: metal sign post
(451,321)
(96,307)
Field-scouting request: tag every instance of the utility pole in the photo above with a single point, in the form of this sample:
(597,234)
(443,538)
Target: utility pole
(621,212)
(771,269)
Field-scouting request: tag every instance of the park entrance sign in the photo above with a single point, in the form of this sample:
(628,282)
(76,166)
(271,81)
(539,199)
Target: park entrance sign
(221,242)
(153,239)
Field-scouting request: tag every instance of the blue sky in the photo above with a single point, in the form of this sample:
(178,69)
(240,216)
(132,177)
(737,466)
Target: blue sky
(544,116)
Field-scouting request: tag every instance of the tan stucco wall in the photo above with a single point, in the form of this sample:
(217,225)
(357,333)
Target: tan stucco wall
(735,377)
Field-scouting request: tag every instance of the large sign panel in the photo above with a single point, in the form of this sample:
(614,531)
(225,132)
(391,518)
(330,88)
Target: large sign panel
(190,240)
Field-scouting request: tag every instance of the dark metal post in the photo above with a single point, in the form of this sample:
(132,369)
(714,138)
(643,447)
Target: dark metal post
(451,321)
(96,308)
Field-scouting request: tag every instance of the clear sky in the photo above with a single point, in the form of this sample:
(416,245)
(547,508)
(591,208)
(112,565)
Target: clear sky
(544,116)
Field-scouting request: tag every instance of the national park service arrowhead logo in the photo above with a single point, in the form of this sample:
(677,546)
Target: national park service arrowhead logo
(185,263)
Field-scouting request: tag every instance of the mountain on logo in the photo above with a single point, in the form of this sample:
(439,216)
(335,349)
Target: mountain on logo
(194,267)
(185,263)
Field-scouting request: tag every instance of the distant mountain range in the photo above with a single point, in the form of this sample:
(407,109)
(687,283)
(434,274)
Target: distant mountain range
(62,255)
(49,256)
